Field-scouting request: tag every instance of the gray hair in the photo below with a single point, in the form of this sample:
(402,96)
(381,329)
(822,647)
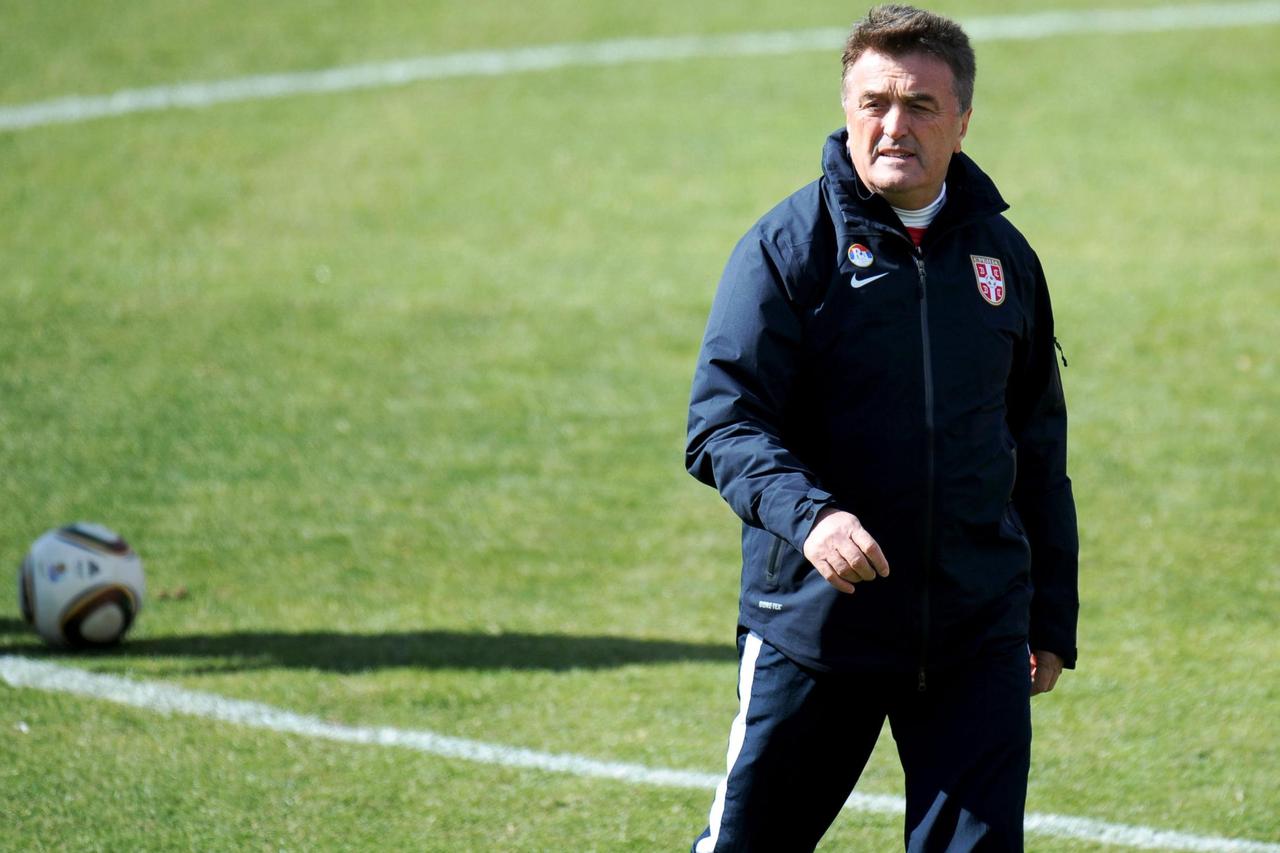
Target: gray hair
(897,30)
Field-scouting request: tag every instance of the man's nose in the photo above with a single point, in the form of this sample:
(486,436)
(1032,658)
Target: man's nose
(895,122)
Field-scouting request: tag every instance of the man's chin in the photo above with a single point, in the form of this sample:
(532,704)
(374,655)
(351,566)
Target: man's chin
(897,178)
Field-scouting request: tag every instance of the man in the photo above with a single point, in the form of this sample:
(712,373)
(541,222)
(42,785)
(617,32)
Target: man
(877,397)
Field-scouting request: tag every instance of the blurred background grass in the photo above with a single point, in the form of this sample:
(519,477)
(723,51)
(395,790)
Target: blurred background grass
(390,379)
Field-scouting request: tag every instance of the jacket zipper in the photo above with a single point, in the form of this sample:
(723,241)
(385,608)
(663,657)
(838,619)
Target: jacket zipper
(918,256)
(771,566)
(929,457)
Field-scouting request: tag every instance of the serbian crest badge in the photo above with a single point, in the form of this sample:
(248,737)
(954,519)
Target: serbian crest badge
(990,276)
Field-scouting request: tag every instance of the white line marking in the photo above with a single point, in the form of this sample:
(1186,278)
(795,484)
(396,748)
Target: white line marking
(20,672)
(75,108)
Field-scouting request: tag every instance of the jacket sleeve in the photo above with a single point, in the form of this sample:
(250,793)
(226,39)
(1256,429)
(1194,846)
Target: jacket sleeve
(1042,494)
(745,372)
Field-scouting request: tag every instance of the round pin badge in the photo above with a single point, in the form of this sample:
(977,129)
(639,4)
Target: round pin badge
(860,256)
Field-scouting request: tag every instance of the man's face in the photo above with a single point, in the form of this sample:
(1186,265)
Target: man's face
(904,124)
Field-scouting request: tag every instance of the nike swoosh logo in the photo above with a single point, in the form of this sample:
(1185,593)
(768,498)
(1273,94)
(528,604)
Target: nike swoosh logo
(859,282)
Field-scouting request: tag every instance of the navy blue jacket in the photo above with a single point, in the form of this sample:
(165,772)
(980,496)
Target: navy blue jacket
(925,400)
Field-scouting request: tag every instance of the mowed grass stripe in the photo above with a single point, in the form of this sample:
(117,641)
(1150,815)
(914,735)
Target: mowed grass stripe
(74,109)
(20,672)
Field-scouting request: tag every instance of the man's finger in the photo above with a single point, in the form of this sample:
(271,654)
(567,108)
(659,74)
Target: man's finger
(871,548)
(832,576)
(1042,683)
(859,568)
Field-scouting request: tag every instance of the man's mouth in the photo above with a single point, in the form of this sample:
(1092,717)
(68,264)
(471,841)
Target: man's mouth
(895,153)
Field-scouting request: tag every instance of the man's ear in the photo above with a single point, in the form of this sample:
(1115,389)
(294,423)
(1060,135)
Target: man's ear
(964,127)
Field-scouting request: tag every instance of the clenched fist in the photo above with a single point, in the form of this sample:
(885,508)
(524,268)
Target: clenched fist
(1046,667)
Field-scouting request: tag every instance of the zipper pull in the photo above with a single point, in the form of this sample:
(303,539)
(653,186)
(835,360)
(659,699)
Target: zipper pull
(1060,352)
(920,685)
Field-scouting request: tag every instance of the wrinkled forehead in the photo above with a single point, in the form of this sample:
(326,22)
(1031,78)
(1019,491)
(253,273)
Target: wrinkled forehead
(917,74)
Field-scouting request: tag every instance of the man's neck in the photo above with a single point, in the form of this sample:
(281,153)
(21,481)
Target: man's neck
(919,220)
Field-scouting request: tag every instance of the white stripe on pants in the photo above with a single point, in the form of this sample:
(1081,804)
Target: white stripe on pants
(737,733)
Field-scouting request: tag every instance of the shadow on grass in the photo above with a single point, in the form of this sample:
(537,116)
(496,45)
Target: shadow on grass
(348,653)
(12,626)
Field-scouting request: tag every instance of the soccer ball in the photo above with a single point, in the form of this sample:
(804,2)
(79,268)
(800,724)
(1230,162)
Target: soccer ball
(81,585)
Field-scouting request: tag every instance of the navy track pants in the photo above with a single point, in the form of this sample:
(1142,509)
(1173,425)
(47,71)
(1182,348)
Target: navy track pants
(801,739)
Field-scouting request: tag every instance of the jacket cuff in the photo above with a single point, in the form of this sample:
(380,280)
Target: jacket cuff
(803,515)
(1045,640)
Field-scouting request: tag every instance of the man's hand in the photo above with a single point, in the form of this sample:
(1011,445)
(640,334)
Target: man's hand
(842,551)
(1045,669)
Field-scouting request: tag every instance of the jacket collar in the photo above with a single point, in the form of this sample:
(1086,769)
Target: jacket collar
(970,193)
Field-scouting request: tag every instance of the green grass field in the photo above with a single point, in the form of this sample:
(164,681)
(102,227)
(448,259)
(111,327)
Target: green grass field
(394,383)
